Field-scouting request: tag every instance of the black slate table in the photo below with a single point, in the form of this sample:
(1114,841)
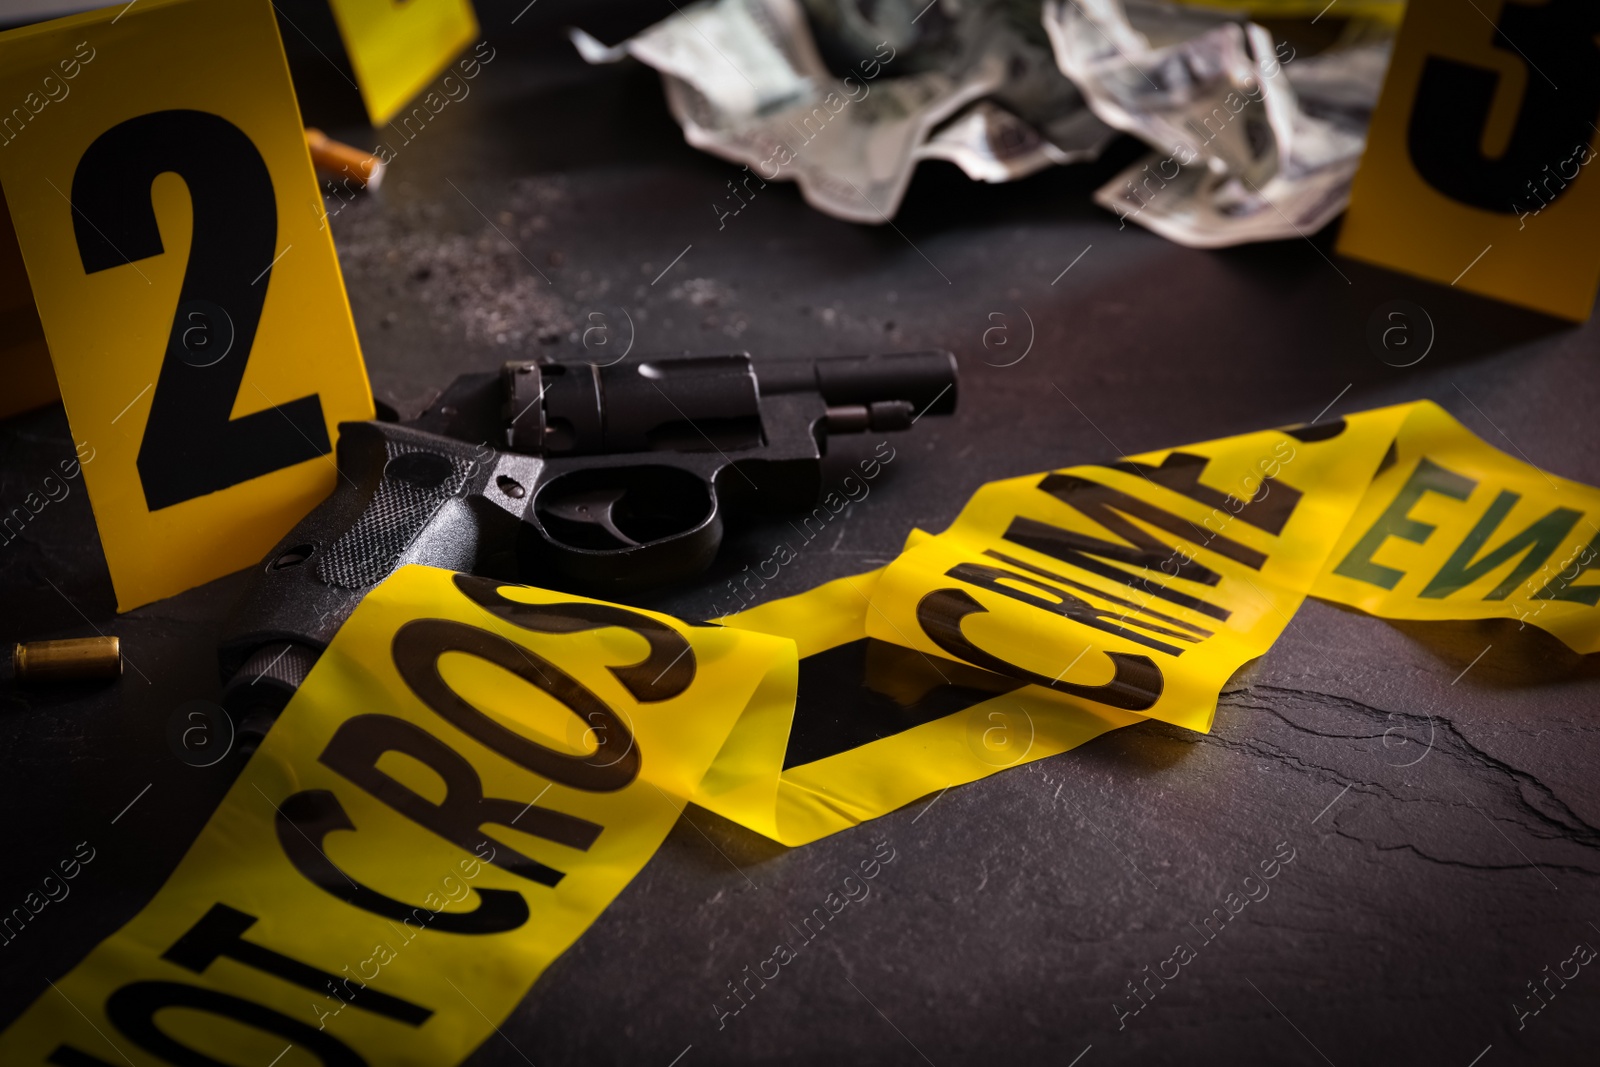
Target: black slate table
(1443,821)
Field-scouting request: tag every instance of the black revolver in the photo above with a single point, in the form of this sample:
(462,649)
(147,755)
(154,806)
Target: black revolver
(572,476)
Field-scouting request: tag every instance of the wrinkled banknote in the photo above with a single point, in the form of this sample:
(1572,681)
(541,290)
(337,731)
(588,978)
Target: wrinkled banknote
(1245,149)
(991,144)
(1204,208)
(1250,141)
(747,80)
(1035,120)
(1204,94)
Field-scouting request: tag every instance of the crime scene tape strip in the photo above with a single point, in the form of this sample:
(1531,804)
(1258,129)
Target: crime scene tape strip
(468,778)
(1400,512)
(876,724)
(1059,606)
(1454,529)
(473,771)
(1199,571)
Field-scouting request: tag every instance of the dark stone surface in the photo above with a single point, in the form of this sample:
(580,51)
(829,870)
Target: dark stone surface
(1444,824)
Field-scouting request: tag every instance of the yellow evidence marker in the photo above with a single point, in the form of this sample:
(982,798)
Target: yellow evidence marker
(164,202)
(396,48)
(1476,172)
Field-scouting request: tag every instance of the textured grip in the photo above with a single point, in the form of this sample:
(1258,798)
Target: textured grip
(416,482)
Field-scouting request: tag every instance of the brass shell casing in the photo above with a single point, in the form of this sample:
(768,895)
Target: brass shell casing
(75,660)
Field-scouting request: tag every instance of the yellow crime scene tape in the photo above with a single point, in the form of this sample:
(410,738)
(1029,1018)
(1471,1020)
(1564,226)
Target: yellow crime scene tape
(474,770)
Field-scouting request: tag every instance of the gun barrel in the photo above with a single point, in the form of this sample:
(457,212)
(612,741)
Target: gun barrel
(924,380)
(710,402)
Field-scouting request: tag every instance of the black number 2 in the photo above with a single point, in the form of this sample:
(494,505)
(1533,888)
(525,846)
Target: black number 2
(1556,42)
(191,445)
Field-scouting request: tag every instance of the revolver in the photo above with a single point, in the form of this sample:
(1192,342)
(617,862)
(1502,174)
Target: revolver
(570,475)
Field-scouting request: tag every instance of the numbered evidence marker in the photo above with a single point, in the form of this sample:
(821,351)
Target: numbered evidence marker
(398,46)
(170,221)
(1479,158)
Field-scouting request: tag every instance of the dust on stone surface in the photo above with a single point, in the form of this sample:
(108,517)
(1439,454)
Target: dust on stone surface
(480,286)
(711,296)
(702,293)
(502,283)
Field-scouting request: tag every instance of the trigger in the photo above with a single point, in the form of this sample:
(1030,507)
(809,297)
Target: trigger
(593,508)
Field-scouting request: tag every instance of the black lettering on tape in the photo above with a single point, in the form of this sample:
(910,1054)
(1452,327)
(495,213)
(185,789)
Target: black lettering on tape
(1110,507)
(1396,521)
(306,818)
(1076,550)
(1315,432)
(354,751)
(417,648)
(666,672)
(1180,472)
(67,1056)
(1198,632)
(132,1009)
(1534,545)
(220,935)
(1060,602)
(1560,587)
(1135,685)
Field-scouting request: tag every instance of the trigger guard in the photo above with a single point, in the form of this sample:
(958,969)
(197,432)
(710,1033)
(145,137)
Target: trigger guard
(670,559)
(662,497)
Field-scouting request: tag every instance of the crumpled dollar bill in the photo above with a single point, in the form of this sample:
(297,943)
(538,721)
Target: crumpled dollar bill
(1252,142)
(992,144)
(846,106)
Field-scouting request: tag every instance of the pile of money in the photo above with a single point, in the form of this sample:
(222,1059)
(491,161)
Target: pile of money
(1250,140)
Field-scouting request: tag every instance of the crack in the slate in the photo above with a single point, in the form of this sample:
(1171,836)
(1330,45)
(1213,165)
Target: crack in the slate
(1549,818)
